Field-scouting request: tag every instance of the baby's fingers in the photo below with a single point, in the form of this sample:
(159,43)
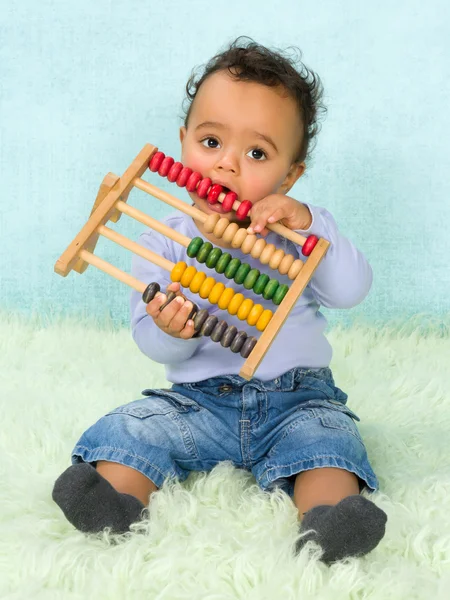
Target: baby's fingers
(154,305)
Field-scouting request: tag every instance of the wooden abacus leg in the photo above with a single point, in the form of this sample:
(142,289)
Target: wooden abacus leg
(280,316)
(87,238)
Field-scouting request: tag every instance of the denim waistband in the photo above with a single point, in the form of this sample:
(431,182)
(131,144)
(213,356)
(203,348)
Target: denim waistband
(286,382)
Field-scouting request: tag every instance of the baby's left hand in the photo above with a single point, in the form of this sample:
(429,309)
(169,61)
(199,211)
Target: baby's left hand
(278,207)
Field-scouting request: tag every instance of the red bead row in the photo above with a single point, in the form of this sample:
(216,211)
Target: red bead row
(205,188)
(194,182)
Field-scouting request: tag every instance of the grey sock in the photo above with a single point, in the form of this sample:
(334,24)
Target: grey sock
(353,527)
(91,503)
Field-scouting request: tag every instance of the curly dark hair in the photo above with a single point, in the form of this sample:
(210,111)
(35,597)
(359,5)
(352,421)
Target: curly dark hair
(246,60)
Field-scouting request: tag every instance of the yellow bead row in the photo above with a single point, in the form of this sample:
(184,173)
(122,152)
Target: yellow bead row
(226,298)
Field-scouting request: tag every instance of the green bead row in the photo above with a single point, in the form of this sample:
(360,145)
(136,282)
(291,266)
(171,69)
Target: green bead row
(232,268)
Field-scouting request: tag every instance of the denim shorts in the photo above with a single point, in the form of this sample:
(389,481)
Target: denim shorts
(275,429)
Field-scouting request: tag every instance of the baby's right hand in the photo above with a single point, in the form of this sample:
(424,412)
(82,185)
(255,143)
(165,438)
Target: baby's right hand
(172,319)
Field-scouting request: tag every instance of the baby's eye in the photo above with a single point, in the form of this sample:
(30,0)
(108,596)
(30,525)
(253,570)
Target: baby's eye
(211,142)
(258,154)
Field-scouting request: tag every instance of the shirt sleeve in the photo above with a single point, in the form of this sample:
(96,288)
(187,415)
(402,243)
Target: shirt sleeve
(344,277)
(151,340)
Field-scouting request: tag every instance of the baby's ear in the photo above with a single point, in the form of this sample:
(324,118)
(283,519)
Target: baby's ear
(295,172)
(182,133)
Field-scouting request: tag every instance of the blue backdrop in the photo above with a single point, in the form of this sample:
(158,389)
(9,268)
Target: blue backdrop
(84,85)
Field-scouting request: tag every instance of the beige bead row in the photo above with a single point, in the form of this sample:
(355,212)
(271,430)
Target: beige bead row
(268,254)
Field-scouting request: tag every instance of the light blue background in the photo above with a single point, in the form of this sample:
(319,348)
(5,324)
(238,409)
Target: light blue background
(84,85)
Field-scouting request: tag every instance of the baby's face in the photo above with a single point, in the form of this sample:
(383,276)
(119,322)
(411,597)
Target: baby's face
(243,135)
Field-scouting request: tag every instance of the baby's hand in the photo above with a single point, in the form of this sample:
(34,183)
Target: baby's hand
(278,207)
(172,319)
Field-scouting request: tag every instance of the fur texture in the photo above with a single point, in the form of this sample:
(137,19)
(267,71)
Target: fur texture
(218,536)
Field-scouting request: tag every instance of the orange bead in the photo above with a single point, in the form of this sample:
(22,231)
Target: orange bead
(216,292)
(197,282)
(264,320)
(235,303)
(244,309)
(178,271)
(225,298)
(255,313)
(188,276)
(207,286)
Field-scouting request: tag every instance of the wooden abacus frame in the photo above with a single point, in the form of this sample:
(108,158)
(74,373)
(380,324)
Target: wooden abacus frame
(111,203)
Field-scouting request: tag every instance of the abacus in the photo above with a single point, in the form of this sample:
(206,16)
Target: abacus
(111,202)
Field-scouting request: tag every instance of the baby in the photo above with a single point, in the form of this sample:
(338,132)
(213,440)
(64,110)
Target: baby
(290,426)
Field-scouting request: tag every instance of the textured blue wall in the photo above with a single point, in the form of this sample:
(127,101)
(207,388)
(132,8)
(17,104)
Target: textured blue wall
(84,85)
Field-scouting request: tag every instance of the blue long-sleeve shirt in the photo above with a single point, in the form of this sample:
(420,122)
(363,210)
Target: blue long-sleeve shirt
(342,280)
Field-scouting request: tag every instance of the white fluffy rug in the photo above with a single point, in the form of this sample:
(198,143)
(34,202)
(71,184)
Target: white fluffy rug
(217,537)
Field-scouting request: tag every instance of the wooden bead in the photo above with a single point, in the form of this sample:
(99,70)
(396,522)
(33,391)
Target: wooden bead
(244,309)
(213,194)
(197,282)
(223,262)
(213,257)
(218,331)
(243,210)
(228,201)
(203,187)
(258,248)
(216,292)
(204,251)
(174,171)
(232,268)
(264,320)
(220,227)
(280,294)
(155,161)
(177,271)
(295,269)
(235,303)
(228,336)
(200,318)
(225,298)
(188,276)
(286,264)
(183,177)
(206,288)
(248,243)
(255,313)
(238,342)
(150,292)
(211,222)
(251,279)
(239,238)
(261,283)
(270,289)
(276,258)
(242,273)
(166,166)
(194,246)
(193,180)
(267,254)
(248,346)
(309,245)
(194,310)
(230,232)
(208,325)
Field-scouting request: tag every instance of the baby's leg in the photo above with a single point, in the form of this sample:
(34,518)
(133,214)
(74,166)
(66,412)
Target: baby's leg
(334,515)
(113,495)
(127,480)
(323,486)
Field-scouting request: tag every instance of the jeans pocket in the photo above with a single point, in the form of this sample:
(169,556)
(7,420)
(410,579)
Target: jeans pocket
(157,402)
(332,406)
